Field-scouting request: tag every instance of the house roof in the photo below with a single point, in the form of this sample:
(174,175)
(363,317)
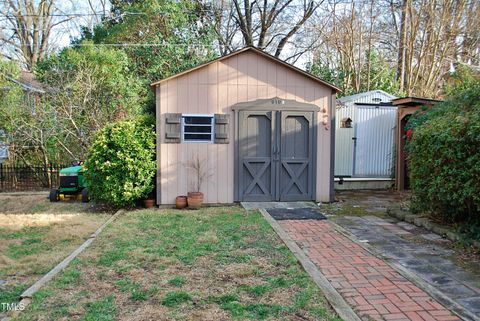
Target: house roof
(413,101)
(260,52)
(28,82)
(365,94)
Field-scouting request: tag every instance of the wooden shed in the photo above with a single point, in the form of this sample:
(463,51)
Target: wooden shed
(260,129)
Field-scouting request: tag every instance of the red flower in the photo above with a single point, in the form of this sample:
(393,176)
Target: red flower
(409,134)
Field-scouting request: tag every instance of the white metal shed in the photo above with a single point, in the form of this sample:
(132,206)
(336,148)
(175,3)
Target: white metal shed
(365,135)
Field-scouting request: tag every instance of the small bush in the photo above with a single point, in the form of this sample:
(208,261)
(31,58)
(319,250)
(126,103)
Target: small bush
(444,154)
(121,163)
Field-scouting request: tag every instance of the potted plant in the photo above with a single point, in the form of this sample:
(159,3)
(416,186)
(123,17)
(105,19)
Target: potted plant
(181,202)
(149,201)
(195,198)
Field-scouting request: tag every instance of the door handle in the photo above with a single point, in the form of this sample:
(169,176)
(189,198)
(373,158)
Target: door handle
(276,154)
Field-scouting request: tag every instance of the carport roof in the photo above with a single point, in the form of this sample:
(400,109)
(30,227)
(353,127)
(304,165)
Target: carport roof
(260,52)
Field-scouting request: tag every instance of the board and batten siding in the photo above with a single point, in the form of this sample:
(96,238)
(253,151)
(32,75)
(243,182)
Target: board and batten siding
(214,89)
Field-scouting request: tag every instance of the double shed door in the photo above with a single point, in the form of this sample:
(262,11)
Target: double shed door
(276,155)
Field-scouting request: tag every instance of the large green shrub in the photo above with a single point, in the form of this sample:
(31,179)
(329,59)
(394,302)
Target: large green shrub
(121,163)
(444,154)
(93,85)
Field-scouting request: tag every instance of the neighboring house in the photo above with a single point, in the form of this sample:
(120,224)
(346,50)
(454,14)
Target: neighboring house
(3,147)
(260,127)
(365,140)
(33,91)
(32,88)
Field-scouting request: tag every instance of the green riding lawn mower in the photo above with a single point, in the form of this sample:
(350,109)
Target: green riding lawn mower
(72,184)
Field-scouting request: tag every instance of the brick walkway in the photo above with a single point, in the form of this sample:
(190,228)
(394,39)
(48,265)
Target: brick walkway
(374,289)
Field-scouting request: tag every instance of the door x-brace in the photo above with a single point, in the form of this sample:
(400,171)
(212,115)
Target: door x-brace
(257,175)
(294,176)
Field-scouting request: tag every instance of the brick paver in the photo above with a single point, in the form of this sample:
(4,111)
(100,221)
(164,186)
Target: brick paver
(373,288)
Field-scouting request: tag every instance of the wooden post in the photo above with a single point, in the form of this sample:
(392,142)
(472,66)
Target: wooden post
(51,176)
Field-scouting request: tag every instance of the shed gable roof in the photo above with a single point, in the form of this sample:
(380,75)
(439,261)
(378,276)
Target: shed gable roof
(364,94)
(260,52)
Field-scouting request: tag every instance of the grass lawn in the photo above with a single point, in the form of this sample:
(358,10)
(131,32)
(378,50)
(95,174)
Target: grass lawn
(35,235)
(217,263)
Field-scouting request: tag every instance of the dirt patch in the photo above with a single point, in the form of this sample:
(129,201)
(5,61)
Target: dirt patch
(147,312)
(19,221)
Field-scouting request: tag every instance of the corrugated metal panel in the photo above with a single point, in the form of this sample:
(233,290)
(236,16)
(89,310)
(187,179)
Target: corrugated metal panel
(375,132)
(344,142)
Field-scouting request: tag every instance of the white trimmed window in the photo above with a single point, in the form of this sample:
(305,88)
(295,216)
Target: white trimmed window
(197,128)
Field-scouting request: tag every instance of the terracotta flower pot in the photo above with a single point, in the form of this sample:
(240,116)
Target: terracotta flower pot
(180,202)
(149,202)
(195,200)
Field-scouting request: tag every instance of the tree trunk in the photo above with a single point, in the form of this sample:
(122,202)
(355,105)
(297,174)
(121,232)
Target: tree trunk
(402,50)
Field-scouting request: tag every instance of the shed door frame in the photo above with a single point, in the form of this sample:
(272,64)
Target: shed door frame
(287,164)
(266,165)
(361,140)
(269,107)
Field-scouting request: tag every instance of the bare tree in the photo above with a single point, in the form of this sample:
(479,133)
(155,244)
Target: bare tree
(270,25)
(468,49)
(434,28)
(224,25)
(402,39)
(420,39)
(28,28)
(349,37)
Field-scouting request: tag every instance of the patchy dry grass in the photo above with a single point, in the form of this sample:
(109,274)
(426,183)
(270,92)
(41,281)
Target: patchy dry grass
(32,244)
(22,203)
(212,264)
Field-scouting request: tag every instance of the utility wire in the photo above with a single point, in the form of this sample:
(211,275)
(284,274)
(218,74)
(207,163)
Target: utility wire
(183,45)
(9,15)
(196,10)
